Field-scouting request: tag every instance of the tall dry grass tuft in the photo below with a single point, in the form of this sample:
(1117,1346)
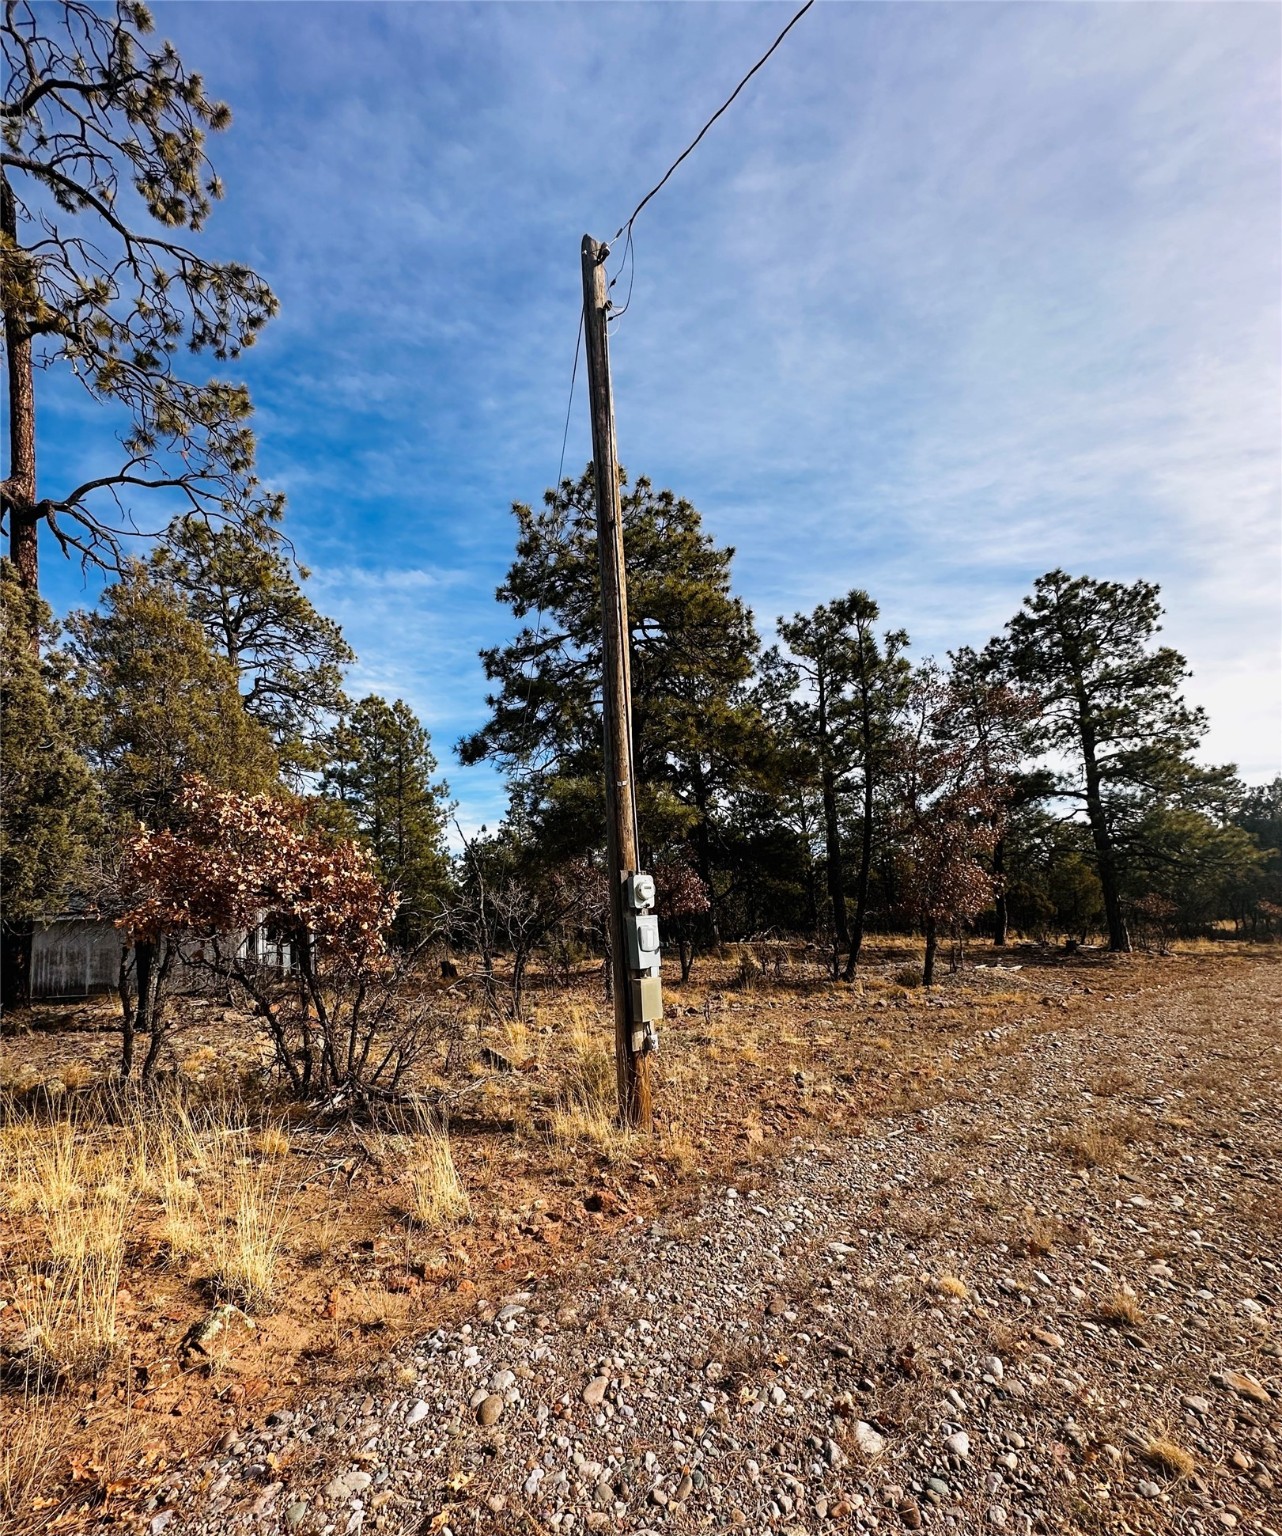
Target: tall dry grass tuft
(29,1455)
(82,1191)
(585,1109)
(245,1207)
(683,1093)
(438,1199)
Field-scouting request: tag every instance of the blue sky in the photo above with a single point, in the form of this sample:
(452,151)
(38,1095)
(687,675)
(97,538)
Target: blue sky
(953,294)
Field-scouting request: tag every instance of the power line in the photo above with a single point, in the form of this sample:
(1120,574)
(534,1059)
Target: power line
(658,187)
(527,679)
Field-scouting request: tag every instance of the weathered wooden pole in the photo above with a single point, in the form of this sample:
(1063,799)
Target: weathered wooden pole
(632,1067)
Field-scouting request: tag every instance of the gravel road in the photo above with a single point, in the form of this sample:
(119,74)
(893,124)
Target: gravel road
(1051,1302)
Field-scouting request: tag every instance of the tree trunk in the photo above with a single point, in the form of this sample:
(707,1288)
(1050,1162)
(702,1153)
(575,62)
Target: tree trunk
(832,839)
(932,942)
(685,951)
(1001,917)
(865,870)
(1119,940)
(16,939)
(127,1020)
(19,497)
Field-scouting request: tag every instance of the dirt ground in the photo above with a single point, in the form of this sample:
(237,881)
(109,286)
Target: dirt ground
(1017,1166)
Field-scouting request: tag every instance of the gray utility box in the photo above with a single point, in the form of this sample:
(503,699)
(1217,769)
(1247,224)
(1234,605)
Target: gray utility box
(641,939)
(647,999)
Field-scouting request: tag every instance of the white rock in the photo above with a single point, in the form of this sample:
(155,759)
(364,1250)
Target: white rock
(868,1440)
(416,1414)
(959,1443)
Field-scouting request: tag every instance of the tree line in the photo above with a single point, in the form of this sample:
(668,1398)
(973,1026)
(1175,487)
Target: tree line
(829,786)
(825,786)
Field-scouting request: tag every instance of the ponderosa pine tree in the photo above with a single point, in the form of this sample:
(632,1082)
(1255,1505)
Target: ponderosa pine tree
(381,770)
(696,730)
(1111,702)
(47,797)
(165,705)
(837,692)
(244,589)
(103,160)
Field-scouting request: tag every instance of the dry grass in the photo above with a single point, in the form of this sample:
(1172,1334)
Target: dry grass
(1112,1081)
(682,1091)
(1171,1459)
(1120,1310)
(1091,1147)
(438,1199)
(81,1193)
(950,1285)
(29,1453)
(585,1110)
(245,1210)
(272,1141)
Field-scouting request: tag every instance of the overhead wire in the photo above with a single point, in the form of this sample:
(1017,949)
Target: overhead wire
(528,723)
(629,259)
(626,226)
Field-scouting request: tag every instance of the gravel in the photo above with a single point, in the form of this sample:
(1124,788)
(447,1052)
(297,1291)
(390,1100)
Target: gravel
(905,1329)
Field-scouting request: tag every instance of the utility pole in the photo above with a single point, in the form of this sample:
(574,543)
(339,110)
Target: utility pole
(631,1040)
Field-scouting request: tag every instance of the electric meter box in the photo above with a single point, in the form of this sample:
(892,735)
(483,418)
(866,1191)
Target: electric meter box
(641,939)
(639,891)
(647,999)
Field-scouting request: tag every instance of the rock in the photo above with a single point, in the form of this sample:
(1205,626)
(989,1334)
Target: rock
(489,1409)
(959,1443)
(997,1515)
(294,1514)
(1199,1405)
(346,1484)
(416,1414)
(1047,1339)
(160,1521)
(683,1489)
(1147,1490)
(834,1455)
(868,1440)
(1244,1384)
(910,1515)
(992,1367)
(594,1392)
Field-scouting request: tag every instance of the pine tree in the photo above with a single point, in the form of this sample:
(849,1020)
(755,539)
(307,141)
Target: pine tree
(380,769)
(696,731)
(47,798)
(241,586)
(836,693)
(1003,722)
(1111,702)
(103,159)
(166,705)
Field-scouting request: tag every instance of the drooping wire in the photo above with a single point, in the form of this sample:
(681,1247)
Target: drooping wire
(630,259)
(529,722)
(626,226)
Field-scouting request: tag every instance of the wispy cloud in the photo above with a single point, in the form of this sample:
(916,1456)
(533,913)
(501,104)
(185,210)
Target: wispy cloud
(954,295)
